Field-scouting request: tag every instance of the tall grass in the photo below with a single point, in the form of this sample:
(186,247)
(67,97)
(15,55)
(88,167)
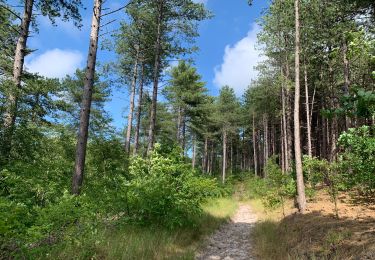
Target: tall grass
(125,241)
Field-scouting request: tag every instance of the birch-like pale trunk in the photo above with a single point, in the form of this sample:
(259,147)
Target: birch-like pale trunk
(131,108)
(297,137)
(86,100)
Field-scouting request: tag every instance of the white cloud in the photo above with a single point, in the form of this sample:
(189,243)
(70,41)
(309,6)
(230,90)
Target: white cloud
(55,63)
(237,69)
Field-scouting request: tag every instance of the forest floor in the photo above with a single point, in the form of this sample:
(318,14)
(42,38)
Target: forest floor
(317,234)
(231,241)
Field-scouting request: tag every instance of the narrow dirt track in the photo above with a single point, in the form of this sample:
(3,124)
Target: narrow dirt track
(232,241)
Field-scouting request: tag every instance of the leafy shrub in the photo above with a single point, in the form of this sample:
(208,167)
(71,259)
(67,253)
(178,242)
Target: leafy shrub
(358,158)
(322,171)
(280,186)
(165,190)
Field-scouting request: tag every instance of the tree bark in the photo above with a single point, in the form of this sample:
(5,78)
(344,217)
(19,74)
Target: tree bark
(224,155)
(308,118)
(139,111)
(151,134)
(194,153)
(205,156)
(86,100)
(10,113)
(346,77)
(255,148)
(297,141)
(285,130)
(131,109)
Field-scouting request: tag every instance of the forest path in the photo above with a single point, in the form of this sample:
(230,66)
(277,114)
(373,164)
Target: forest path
(232,241)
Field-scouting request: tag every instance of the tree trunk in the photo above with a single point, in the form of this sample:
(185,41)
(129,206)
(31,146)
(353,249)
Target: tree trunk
(297,141)
(10,113)
(266,144)
(285,130)
(131,109)
(308,118)
(151,133)
(183,141)
(179,122)
(205,156)
(255,148)
(346,77)
(194,153)
(86,100)
(224,155)
(139,111)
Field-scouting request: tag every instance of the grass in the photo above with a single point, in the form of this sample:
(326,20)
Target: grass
(134,242)
(314,235)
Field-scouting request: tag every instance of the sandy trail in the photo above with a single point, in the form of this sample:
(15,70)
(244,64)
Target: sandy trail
(232,241)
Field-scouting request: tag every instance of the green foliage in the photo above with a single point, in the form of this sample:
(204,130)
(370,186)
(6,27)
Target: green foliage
(358,158)
(280,185)
(165,189)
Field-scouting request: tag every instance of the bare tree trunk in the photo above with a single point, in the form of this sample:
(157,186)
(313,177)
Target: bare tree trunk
(179,122)
(86,100)
(183,141)
(308,118)
(131,109)
(10,113)
(266,141)
(297,141)
(282,148)
(194,153)
(289,135)
(151,133)
(139,111)
(224,155)
(205,156)
(255,148)
(284,130)
(346,77)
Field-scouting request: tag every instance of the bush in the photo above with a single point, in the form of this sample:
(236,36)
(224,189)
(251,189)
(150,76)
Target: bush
(358,159)
(165,190)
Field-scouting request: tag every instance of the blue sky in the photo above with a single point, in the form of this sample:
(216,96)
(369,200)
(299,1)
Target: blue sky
(226,57)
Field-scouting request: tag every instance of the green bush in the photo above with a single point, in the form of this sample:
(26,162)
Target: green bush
(165,190)
(358,158)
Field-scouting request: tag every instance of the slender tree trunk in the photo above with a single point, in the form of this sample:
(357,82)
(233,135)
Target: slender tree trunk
(11,109)
(151,134)
(289,135)
(139,111)
(179,123)
(205,156)
(284,130)
(297,141)
(308,119)
(183,141)
(86,100)
(255,148)
(346,77)
(131,109)
(194,153)
(224,155)
(266,141)
(282,148)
